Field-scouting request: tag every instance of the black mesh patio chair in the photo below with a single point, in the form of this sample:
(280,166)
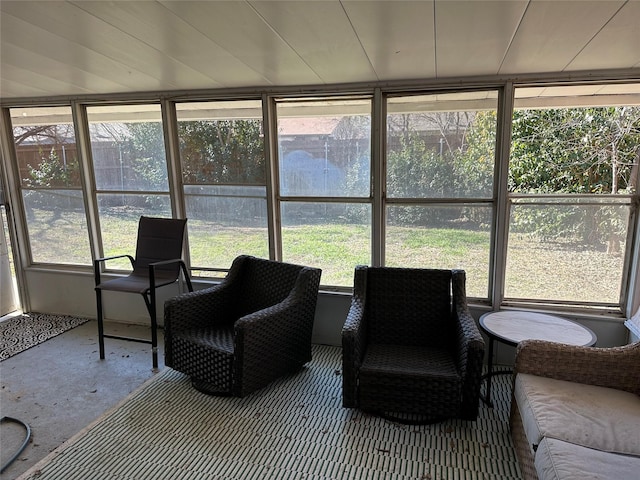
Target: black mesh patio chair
(411,352)
(252,328)
(157,263)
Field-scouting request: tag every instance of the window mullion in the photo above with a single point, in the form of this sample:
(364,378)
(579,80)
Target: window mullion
(501,194)
(172,149)
(13,197)
(378,172)
(85,160)
(270,123)
(174,168)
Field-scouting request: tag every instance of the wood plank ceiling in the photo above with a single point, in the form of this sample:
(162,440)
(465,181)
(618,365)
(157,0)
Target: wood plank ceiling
(58,48)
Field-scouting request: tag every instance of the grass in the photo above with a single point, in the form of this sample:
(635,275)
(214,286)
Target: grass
(336,249)
(442,248)
(535,270)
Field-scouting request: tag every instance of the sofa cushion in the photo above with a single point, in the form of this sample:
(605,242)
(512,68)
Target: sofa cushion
(596,417)
(556,459)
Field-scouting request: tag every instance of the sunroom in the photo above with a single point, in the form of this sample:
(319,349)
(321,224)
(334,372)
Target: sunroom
(500,138)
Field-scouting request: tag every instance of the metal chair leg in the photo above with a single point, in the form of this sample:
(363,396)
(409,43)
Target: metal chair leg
(150,302)
(154,329)
(100,323)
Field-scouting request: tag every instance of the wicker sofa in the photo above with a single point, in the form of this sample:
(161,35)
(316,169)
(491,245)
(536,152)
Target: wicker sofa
(575,411)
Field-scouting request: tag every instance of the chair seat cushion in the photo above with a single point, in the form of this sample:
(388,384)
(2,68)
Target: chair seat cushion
(596,417)
(136,282)
(409,379)
(557,460)
(206,355)
(131,283)
(219,338)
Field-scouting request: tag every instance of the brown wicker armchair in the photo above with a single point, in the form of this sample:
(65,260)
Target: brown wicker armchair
(411,350)
(245,332)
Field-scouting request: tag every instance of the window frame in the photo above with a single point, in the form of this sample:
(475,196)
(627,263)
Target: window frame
(281,199)
(173,109)
(94,193)
(632,238)
(27,251)
(378,200)
(435,201)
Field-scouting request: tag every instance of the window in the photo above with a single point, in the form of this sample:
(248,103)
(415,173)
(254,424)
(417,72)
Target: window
(324,168)
(51,186)
(130,170)
(554,225)
(224,176)
(573,172)
(439,180)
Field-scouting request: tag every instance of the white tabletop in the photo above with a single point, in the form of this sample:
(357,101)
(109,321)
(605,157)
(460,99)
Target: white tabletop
(513,326)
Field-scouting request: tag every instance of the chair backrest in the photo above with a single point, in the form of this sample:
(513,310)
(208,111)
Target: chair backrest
(262,283)
(407,306)
(159,239)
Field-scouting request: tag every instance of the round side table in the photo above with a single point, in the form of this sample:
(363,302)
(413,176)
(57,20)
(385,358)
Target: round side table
(513,326)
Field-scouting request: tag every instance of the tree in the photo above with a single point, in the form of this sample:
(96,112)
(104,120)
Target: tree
(143,146)
(475,164)
(222,152)
(51,164)
(52,173)
(441,155)
(575,151)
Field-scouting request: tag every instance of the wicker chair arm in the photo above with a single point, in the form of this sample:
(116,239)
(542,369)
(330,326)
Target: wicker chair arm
(354,328)
(293,313)
(276,339)
(469,338)
(198,309)
(354,332)
(273,321)
(267,344)
(353,344)
(471,346)
(615,367)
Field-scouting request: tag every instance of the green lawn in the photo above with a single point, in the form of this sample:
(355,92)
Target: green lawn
(534,270)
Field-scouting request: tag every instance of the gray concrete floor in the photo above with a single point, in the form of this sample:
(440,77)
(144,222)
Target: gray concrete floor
(61,386)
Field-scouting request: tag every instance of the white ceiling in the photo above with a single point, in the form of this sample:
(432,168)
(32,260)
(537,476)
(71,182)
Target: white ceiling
(78,48)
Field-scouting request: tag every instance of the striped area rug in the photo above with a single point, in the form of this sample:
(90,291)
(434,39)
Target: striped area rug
(294,429)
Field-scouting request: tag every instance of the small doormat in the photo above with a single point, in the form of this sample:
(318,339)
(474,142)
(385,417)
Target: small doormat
(30,329)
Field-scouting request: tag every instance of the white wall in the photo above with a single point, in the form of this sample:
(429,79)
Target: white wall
(73,294)
(69,293)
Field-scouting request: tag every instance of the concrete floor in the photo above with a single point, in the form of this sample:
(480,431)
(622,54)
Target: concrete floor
(61,385)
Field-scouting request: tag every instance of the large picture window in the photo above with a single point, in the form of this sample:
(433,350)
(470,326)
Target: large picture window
(130,170)
(51,187)
(535,196)
(324,168)
(439,179)
(224,176)
(573,172)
